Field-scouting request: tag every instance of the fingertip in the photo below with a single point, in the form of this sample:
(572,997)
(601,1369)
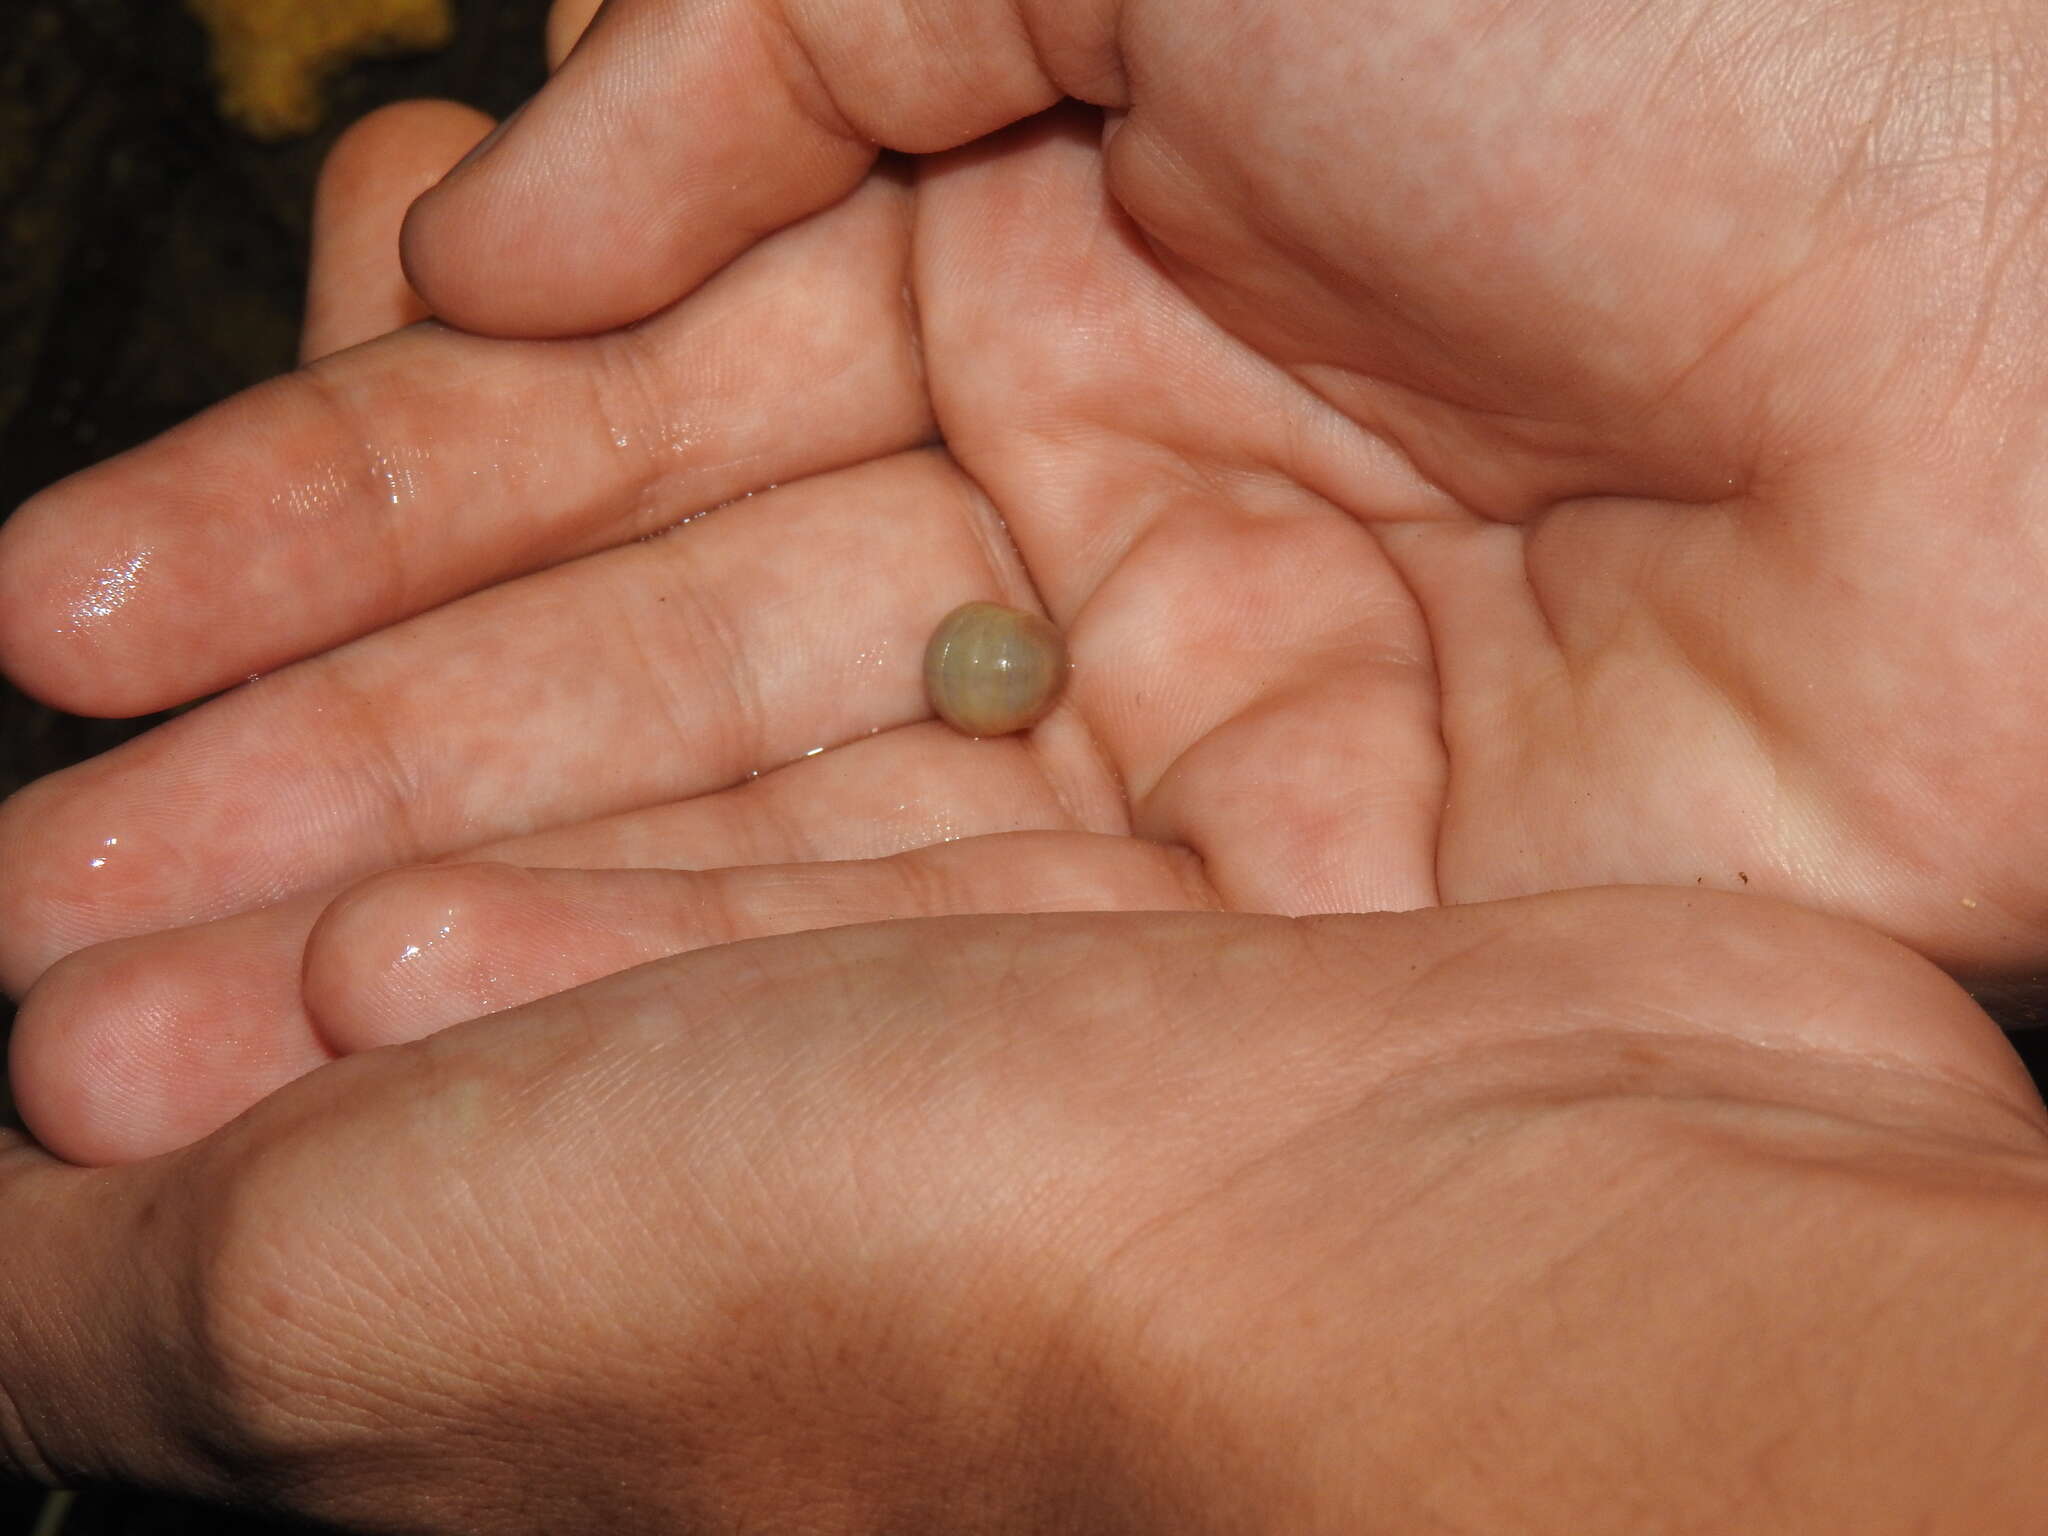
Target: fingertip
(63,587)
(568,20)
(124,1051)
(421,140)
(619,187)
(125,587)
(64,1069)
(25,617)
(410,952)
(117,847)
(389,960)
(357,287)
(484,255)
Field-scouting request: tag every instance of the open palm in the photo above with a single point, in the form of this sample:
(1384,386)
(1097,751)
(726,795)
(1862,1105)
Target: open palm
(1469,454)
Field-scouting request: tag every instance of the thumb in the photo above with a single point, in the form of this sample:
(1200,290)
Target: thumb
(679,132)
(355,291)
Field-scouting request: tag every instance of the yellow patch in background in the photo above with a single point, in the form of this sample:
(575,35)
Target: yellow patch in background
(271,57)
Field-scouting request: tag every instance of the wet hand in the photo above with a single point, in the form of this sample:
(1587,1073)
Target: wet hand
(1482,501)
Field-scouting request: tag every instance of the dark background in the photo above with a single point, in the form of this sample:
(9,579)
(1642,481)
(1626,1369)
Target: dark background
(151,263)
(151,257)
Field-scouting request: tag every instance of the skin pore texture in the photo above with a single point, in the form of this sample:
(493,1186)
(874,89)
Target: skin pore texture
(1544,505)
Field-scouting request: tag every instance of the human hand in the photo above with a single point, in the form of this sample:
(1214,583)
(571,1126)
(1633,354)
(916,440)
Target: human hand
(1582,1213)
(1323,637)
(156,1054)
(1685,359)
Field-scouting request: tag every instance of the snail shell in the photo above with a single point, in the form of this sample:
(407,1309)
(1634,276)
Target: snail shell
(991,670)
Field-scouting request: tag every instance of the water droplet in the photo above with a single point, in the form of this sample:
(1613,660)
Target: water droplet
(413,952)
(108,590)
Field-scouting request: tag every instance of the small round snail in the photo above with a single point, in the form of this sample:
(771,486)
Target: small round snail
(991,670)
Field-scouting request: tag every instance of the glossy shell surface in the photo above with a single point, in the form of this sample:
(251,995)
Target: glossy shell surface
(991,670)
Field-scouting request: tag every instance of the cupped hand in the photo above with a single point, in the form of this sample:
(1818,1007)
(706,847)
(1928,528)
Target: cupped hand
(1469,454)
(1671,371)
(1581,1213)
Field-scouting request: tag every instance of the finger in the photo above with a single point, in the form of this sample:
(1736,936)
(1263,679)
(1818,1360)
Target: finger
(677,133)
(567,20)
(355,287)
(139,1046)
(676,667)
(398,475)
(414,951)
